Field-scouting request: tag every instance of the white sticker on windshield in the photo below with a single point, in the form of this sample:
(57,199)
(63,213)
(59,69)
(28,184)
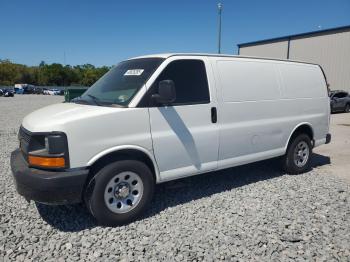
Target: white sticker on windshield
(134,72)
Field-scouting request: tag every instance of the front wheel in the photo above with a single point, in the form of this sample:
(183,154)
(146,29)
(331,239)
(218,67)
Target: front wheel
(298,155)
(347,108)
(121,192)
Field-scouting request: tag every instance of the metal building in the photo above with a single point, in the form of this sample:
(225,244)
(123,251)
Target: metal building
(330,48)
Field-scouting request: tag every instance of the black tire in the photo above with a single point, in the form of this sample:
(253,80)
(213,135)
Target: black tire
(288,159)
(95,195)
(347,108)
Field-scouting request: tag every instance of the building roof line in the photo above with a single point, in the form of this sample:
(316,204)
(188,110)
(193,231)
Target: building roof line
(293,36)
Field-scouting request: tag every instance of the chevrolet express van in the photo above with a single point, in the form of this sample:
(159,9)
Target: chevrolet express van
(157,118)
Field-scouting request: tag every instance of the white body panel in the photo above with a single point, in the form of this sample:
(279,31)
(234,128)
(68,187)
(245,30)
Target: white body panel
(93,130)
(259,105)
(261,102)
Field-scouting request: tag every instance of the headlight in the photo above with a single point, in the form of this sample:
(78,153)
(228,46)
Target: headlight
(48,150)
(46,139)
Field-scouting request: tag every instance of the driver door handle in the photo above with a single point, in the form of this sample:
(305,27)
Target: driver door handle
(214,115)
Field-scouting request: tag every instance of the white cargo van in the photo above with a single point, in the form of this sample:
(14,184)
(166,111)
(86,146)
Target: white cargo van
(162,117)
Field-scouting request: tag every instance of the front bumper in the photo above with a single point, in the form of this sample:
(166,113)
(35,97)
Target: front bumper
(46,186)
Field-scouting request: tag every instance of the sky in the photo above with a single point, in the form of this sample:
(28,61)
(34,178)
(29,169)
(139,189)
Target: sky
(105,32)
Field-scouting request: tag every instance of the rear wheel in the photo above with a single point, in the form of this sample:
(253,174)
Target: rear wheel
(121,192)
(298,155)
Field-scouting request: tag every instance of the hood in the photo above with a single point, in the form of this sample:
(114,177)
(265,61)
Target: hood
(54,117)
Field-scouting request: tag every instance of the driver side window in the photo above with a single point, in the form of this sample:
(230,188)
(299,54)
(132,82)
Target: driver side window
(190,80)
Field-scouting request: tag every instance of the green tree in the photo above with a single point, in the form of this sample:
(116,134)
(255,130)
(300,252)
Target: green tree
(49,74)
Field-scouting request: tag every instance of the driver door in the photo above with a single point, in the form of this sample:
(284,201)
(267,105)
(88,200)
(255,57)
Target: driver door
(184,134)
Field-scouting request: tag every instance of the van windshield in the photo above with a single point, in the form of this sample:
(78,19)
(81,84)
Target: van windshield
(120,84)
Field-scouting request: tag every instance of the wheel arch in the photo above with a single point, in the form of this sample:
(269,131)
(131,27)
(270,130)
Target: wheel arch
(129,152)
(305,128)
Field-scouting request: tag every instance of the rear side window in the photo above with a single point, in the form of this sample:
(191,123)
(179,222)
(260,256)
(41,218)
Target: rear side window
(190,80)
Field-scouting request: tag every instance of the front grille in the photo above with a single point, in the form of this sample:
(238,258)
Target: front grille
(24,140)
(23,134)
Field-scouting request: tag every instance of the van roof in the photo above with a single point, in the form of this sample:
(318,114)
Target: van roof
(167,55)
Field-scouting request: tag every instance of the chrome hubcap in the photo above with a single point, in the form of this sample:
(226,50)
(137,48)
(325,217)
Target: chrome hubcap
(301,153)
(123,192)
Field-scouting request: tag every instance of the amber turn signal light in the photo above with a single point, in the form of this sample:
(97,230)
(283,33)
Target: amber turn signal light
(46,161)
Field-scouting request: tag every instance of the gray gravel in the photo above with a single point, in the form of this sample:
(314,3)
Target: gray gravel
(252,212)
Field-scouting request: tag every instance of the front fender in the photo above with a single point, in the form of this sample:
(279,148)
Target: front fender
(126,147)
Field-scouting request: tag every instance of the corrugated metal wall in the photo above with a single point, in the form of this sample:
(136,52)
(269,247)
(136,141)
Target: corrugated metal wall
(272,49)
(331,50)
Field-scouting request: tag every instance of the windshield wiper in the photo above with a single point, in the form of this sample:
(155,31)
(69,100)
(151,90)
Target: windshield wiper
(95,99)
(98,102)
(79,100)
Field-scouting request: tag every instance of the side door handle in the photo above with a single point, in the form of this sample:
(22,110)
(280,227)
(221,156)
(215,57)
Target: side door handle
(214,115)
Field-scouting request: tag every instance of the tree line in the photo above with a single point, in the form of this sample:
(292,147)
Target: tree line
(49,74)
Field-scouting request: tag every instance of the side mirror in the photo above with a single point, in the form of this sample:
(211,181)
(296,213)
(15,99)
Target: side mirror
(166,92)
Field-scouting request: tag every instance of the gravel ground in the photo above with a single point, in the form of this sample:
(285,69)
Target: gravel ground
(252,212)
